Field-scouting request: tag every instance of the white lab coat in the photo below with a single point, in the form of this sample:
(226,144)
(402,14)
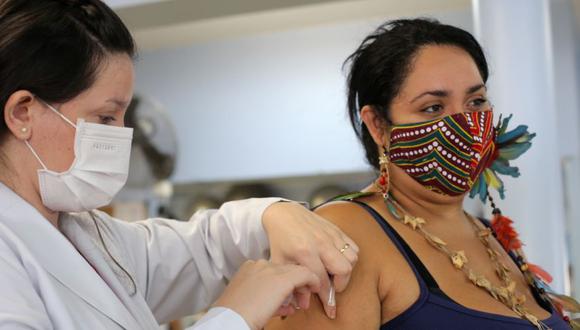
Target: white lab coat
(104,273)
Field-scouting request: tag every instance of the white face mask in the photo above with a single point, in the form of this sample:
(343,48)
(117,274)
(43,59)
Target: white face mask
(98,172)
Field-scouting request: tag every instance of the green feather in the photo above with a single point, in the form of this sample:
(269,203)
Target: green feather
(513,151)
(393,210)
(504,124)
(352,195)
(526,137)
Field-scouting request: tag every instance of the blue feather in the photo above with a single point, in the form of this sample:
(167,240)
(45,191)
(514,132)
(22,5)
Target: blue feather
(512,135)
(504,168)
(475,189)
(479,188)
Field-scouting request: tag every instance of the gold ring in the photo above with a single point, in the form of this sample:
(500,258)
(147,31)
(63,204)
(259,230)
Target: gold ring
(345,247)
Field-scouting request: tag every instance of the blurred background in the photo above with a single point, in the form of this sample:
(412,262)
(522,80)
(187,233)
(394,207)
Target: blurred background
(236,99)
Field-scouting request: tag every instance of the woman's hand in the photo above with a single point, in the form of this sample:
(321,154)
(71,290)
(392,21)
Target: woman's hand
(298,236)
(258,291)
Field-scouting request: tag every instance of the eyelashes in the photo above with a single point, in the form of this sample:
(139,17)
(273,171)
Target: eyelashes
(476,104)
(480,102)
(106,120)
(432,109)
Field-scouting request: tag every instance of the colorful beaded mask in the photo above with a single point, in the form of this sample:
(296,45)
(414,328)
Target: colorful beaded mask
(445,155)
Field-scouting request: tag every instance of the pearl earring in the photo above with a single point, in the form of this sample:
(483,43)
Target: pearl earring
(24,129)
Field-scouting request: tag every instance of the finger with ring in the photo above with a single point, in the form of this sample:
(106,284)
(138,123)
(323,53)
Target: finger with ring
(344,248)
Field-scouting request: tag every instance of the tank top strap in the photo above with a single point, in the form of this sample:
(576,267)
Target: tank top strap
(421,272)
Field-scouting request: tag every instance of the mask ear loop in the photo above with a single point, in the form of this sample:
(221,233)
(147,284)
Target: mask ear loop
(35,154)
(61,116)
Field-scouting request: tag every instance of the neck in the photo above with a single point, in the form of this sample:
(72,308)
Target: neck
(421,202)
(33,198)
(426,205)
(24,187)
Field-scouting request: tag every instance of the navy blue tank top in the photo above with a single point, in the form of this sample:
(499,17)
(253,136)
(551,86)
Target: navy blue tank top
(435,310)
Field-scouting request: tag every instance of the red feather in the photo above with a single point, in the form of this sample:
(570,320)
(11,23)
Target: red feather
(505,232)
(540,272)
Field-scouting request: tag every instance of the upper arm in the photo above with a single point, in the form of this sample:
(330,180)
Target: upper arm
(20,305)
(359,306)
(182,267)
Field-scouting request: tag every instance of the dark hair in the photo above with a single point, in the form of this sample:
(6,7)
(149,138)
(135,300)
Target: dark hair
(54,48)
(381,63)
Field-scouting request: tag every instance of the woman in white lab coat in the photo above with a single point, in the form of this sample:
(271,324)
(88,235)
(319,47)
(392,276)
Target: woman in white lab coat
(66,78)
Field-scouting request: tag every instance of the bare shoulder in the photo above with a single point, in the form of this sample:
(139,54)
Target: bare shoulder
(348,216)
(377,252)
(359,306)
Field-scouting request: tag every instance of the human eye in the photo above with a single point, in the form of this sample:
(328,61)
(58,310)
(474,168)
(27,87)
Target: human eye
(478,104)
(433,109)
(106,120)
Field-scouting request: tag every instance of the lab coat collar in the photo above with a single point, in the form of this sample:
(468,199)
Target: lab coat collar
(105,256)
(59,256)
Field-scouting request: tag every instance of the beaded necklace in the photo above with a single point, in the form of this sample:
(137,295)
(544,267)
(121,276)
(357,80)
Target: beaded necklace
(505,293)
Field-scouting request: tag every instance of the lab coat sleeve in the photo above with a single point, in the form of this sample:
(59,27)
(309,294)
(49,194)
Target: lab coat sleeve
(20,305)
(182,267)
(219,318)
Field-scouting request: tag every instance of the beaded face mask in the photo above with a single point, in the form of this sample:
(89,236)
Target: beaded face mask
(445,155)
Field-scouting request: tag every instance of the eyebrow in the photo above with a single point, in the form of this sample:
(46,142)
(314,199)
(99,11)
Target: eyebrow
(445,93)
(120,103)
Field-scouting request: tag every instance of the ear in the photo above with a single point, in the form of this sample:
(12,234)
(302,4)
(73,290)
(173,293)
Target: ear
(376,125)
(18,114)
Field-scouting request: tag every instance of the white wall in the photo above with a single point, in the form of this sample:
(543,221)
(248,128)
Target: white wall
(262,106)
(532,65)
(566,86)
